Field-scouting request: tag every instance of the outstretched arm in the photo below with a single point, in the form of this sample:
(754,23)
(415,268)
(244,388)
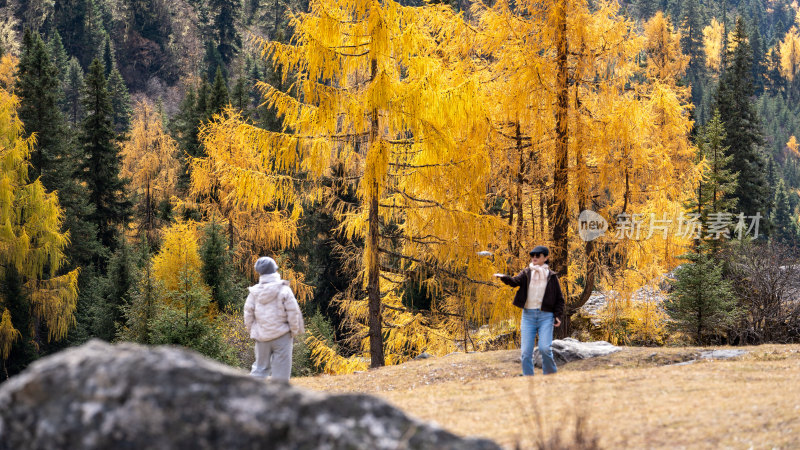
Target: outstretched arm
(515,281)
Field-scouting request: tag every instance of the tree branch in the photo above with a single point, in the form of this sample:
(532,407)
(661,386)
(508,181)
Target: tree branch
(434,267)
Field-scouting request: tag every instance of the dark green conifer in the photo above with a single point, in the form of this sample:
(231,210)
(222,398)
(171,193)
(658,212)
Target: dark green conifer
(101,168)
(734,101)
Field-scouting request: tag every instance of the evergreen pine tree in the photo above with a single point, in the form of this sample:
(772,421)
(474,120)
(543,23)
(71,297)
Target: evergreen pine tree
(692,46)
(59,54)
(719,180)
(771,175)
(212,59)
(73,92)
(228,39)
(162,113)
(109,62)
(240,97)
(783,220)
(184,321)
(742,127)
(185,130)
(267,117)
(39,89)
(702,303)
(140,311)
(202,110)
(120,103)
(759,61)
(218,98)
(101,169)
(774,80)
(646,8)
(216,270)
(119,283)
(55,158)
(712,199)
(80,23)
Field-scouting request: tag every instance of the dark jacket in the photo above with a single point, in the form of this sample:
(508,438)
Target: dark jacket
(553,300)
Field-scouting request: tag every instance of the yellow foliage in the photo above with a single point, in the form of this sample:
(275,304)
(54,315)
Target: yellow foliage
(8,334)
(628,141)
(793,146)
(149,161)
(179,257)
(31,241)
(790,54)
(330,361)
(400,125)
(249,184)
(664,58)
(55,300)
(418,112)
(712,42)
(625,321)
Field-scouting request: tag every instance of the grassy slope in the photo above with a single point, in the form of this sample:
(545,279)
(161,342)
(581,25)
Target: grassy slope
(631,398)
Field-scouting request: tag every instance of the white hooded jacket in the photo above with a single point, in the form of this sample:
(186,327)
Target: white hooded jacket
(271,309)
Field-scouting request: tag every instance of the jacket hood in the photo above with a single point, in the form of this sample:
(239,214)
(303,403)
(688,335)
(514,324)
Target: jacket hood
(271,285)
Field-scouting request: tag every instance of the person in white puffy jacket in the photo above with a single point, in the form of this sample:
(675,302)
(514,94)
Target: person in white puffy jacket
(273,318)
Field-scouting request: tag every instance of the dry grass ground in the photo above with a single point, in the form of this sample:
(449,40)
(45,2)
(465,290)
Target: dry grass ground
(631,399)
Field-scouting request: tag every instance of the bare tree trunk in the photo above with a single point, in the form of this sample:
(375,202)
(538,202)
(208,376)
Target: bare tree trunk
(373,267)
(149,224)
(277,18)
(230,238)
(583,203)
(520,182)
(533,220)
(558,207)
(541,210)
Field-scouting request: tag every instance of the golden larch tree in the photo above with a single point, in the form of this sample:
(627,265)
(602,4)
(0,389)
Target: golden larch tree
(713,39)
(621,131)
(375,100)
(249,185)
(149,161)
(793,146)
(31,239)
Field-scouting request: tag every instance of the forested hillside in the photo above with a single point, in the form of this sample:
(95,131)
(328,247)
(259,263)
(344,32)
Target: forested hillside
(392,156)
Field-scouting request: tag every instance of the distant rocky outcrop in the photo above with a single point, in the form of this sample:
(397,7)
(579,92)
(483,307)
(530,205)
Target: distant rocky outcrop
(587,318)
(101,396)
(568,350)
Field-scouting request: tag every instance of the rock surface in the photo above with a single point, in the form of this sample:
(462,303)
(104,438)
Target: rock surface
(568,349)
(101,396)
(722,354)
(714,354)
(587,317)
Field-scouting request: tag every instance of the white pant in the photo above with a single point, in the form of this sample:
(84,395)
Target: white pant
(274,357)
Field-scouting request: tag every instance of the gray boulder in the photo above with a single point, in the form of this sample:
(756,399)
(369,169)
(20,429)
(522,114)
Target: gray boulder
(722,354)
(101,396)
(587,317)
(589,312)
(568,350)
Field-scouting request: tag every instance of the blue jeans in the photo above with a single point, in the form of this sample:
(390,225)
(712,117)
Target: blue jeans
(537,321)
